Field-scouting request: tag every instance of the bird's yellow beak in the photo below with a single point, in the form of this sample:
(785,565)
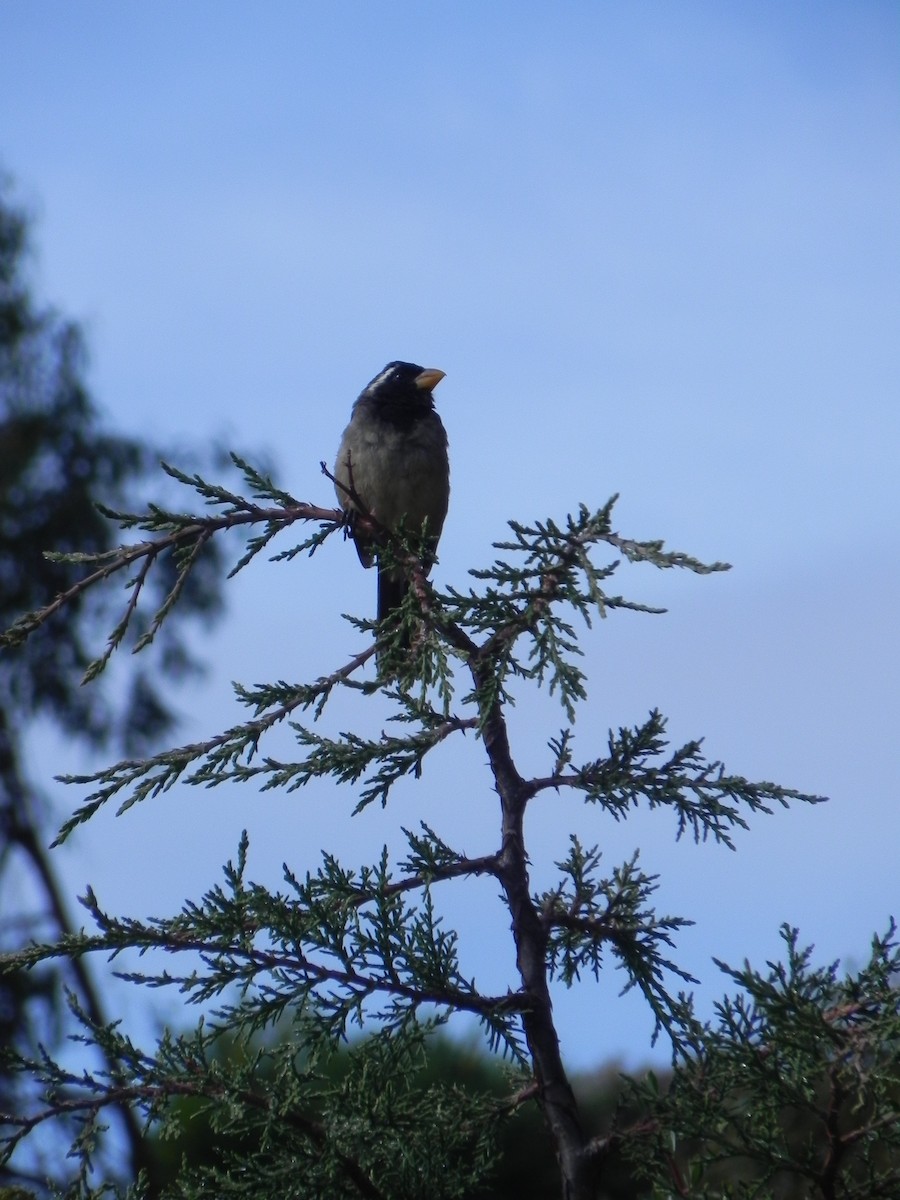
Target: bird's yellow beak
(428,380)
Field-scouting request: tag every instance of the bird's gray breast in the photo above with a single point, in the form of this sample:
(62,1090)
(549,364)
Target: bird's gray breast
(400,471)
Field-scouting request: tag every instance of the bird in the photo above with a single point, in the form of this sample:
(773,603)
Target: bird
(393,460)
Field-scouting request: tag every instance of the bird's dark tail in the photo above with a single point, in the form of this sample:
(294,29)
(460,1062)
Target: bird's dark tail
(391,594)
(391,591)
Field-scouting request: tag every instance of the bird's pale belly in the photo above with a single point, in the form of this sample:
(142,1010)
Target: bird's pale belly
(395,478)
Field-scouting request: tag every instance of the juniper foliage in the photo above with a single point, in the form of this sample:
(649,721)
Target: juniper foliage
(341,948)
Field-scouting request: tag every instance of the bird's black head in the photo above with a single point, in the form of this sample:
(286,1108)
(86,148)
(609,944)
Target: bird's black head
(402,383)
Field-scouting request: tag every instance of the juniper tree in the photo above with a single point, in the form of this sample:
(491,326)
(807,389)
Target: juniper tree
(344,947)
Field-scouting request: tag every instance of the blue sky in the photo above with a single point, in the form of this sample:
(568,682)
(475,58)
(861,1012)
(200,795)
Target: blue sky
(655,248)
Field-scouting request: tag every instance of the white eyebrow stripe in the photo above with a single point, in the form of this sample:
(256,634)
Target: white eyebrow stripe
(380,378)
